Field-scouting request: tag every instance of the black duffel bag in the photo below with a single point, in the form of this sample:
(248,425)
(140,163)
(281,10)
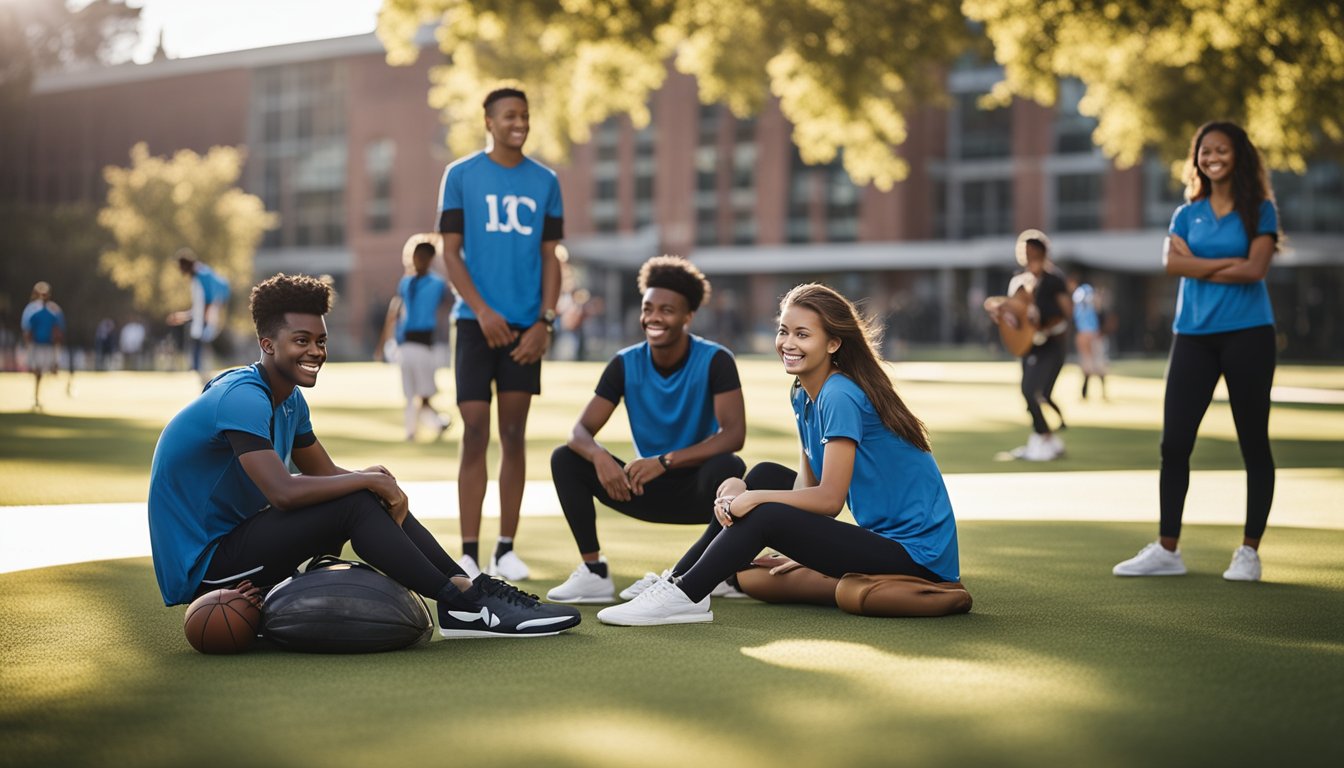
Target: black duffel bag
(343,606)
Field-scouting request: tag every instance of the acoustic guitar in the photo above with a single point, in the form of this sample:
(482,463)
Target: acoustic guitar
(1016,330)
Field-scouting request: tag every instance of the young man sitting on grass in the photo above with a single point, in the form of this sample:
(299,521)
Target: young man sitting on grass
(223,506)
(684,400)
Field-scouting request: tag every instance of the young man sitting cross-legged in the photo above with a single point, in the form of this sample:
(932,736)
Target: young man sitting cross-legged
(684,401)
(223,506)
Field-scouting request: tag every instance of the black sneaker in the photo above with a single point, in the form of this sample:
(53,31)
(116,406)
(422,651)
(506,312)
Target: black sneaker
(495,608)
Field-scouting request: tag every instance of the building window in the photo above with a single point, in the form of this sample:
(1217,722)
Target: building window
(1073,130)
(379,157)
(803,180)
(1162,193)
(606,172)
(982,133)
(1311,202)
(1077,201)
(743,195)
(707,176)
(646,167)
(986,207)
(299,151)
(842,203)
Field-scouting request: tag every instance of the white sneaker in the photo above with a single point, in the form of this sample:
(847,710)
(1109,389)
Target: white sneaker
(1245,565)
(1152,560)
(584,586)
(1056,444)
(510,567)
(662,603)
(1038,448)
(726,589)
(632,591)
(469,565)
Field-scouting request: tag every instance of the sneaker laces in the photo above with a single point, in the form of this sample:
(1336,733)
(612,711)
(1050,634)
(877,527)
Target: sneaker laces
(509,593)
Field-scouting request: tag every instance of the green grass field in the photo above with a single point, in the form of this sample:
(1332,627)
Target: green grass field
(102,436)
(1059,663)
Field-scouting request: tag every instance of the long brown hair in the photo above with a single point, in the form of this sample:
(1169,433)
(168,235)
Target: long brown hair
(857,356)
(1250,182)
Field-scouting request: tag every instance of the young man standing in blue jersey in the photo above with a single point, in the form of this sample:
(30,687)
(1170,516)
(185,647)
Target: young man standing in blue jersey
(684,400)
(209,300)
(501,217)
(414,319)
(223,506)
(43,325)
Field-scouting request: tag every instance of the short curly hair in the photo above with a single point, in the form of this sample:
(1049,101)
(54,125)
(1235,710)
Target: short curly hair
(275,296)
(677,274)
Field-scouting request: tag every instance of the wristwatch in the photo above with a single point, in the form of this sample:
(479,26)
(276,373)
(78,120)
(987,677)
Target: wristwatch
(548,317)
(665,461)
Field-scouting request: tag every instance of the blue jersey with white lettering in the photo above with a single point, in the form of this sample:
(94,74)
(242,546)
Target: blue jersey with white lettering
(198,491)
(896,490)
(1203,306)
(504,215)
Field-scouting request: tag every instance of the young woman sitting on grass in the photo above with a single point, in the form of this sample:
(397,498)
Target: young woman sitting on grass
(860,444)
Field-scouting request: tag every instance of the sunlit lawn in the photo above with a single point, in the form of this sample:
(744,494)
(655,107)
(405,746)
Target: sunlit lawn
(1059,663)
(95,444)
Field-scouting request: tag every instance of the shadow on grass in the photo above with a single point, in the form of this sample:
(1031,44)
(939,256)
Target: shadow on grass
(1060,663)
(78,440)
(1091,448)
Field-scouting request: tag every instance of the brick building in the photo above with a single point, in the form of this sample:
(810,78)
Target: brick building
(347,151)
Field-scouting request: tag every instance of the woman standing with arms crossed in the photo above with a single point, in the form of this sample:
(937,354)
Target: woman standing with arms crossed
(1220,244)
(861,445)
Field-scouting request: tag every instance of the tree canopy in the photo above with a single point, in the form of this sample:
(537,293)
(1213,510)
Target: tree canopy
(159,205)
(1156,70)
(846,72)
(38,35)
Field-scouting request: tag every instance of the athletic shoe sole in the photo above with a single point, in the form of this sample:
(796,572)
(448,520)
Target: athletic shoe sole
(1165,572)
(685,618)
(581,600)
(478,634)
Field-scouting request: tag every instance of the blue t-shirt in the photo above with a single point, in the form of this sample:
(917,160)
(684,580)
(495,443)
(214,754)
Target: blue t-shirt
(42,319)
(505,212)
(198,491)
(214,288)
(670,411)
(421,296)
(1085,318)
(896,490)
(1207,307)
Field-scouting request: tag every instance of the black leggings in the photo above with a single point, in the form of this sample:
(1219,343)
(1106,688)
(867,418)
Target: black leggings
(1246,358)
(680,496)
(819,542)
(1040,370)
(267,547)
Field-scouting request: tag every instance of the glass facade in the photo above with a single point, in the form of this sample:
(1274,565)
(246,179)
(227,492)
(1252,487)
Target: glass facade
(606,173)
(1073,130)
(707,176)
(646,168)
(379,158)
(1078,201)
(299,151)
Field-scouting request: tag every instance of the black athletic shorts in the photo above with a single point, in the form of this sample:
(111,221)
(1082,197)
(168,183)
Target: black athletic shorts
(478,365)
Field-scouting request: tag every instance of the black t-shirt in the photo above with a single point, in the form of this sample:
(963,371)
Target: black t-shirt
(722,375)
(1049,287)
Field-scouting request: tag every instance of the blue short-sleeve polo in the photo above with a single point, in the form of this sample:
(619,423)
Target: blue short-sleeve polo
(1203,306)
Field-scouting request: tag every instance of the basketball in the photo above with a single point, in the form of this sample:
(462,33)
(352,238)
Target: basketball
(223,621)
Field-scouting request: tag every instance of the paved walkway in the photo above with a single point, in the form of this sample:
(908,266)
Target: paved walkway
(39,536)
